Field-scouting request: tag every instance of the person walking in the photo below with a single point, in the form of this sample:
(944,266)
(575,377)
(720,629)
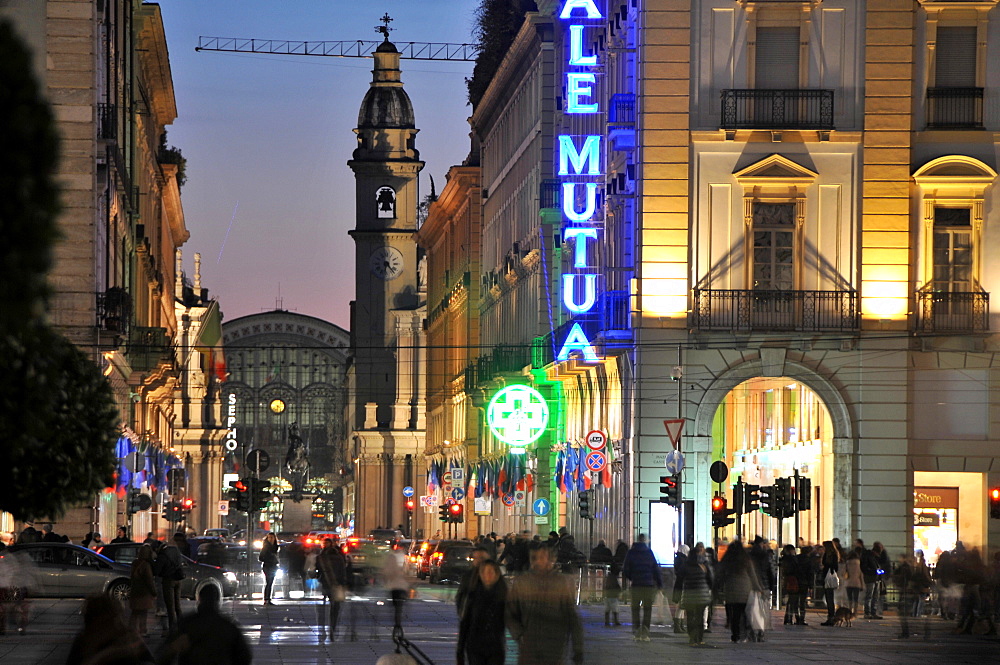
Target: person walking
(121,536)
(696,593)
(29,534)
(643,573)
(738,581)
(680,564)
(269,564)
(612,593)
(142,596)
(394,580)
(95,543)
(541,613)
(206,636)
(48,536)
(830,574)
(295,562)
(332,566)
(105,637)
(470,578)
(481,639)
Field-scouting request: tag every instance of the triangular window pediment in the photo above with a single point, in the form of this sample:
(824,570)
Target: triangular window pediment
(775,170)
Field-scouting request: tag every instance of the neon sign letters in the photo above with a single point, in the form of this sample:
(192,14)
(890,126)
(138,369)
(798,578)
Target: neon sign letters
(231,442)
(579,160)
(517,415)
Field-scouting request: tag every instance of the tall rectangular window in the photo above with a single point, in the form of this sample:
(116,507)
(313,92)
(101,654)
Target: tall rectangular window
(955,57)
(773,246)
(776,58)
(952,250)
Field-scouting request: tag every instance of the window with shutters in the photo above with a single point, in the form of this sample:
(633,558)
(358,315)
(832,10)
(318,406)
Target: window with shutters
(955,56)
(776,62)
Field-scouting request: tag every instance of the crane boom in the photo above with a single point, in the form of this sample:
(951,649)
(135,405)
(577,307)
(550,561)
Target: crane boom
(346,49)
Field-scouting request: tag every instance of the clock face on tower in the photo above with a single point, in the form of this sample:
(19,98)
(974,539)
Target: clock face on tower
(386,263)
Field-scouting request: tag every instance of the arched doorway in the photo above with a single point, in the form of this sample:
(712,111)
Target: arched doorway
(767,428)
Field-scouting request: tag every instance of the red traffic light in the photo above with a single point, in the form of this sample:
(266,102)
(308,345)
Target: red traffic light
(189,503)
(718,503)
(995,494)
(455,508)
(410,504)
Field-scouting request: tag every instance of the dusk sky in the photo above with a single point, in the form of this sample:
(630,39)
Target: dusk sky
(267,137)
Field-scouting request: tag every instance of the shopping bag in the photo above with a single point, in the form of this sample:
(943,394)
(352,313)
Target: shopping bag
(758,613)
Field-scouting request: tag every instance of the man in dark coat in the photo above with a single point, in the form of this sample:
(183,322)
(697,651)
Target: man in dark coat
(206,636)
(29,534)
(601,553)
(333,569)
(643,572)
(48,536)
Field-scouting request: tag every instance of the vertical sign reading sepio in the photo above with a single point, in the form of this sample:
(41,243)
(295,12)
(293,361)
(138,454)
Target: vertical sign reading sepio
(579,169)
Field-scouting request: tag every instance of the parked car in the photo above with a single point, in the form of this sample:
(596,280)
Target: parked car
(450,560)
(196,575)
(224,534)
(71,571)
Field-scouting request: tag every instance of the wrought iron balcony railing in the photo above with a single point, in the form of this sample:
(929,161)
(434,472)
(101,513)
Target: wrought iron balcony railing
(952,311)
(777,109)
(954,108)
(550,194)
(149,348)
(107,115)
(765,311)
(114,310)
(621,110)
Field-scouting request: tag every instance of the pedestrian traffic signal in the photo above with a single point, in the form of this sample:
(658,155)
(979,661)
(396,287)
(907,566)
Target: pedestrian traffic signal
(670,490)
(995,503)
(583,502)
(803,493)
(240,494)
(443,513)
(456,513)
(767,503)
(721,513)
(751,498)
(410,504)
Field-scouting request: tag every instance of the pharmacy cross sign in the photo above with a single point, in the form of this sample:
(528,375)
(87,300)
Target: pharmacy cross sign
(517,415)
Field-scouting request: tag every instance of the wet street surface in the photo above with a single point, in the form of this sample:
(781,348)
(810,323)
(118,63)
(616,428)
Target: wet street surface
(289,633)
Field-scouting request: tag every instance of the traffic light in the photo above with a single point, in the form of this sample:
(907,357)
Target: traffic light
(738,497)
(410,504)
(670,489)
(784,504)
(172,511)
(260,492)
(240,494)
(456,513)
(995,503)
(751,498)
(767,501)
(443,513)
(583,502)
(187,505)
(803,493)
(137,501)
(721,514)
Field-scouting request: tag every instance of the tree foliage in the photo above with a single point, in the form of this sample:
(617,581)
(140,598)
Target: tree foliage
(58,418)
(496,26)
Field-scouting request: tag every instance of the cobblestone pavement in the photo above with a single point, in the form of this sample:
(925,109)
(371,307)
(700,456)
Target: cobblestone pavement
(287,633)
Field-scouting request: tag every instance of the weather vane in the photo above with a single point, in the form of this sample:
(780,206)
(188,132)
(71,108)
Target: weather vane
(385,29)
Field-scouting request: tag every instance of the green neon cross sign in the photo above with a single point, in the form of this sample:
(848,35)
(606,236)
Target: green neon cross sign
(517,415)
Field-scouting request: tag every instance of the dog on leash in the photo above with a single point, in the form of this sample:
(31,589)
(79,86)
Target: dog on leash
(843,617)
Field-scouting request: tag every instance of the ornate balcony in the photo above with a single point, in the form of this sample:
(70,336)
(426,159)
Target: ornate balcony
(952,312)
(954,108)
(149,348)
(777,110)
(735,310)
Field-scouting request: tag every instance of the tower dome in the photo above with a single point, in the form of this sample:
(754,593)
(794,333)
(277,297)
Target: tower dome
(386,105)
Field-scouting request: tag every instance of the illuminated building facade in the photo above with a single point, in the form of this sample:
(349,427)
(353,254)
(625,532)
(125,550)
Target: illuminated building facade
(768,219)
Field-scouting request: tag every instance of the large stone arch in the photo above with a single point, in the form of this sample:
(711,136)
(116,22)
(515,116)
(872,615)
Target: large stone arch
(844,445)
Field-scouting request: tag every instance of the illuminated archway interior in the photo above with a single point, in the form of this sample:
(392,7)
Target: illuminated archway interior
(774,427)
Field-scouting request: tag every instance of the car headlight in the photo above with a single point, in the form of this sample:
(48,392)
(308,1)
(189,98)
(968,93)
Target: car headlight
(230,576)
(257,544)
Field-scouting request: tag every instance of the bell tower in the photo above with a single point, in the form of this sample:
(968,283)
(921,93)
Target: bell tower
(387,410)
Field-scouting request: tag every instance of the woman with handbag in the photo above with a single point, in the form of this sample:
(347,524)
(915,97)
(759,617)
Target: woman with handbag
(696,593)
(831,579)
(331,565)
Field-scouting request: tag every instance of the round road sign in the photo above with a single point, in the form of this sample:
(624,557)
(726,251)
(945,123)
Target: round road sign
(541,507)
(718,471)
(258,460)
(596,461)
(508,500)
(596,440)
(407,491)
(674,462)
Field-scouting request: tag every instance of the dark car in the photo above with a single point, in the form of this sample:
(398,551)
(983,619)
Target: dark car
(196,575)
(454,562)
(388,537)
(442,547)
(70,571)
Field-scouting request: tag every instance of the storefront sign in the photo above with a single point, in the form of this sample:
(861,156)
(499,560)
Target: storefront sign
(926,519)
(581,170)
(935,497)
(517,415)
(231,443)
